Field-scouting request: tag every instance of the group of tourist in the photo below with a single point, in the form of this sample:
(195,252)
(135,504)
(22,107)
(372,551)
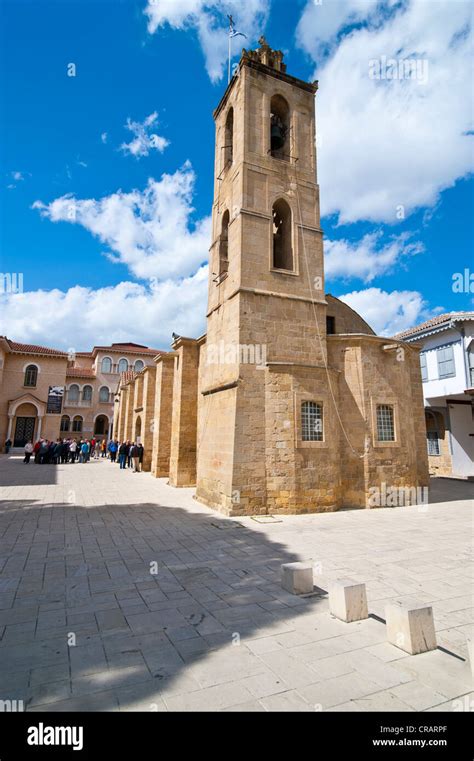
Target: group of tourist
(128,454)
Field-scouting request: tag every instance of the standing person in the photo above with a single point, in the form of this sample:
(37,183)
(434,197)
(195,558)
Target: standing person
(37,451)
(141,452)
(85,451)
(57,452)
(72,451)
(64,451)
(8,444)
(129,458)
(43,451)
(113,447)
(122,455)
(134,457)
(96,450)
(51,449)
(29,448)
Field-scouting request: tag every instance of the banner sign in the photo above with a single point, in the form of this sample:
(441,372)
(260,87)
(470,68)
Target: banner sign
(55,400)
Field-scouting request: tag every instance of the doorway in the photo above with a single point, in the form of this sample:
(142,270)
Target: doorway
(24,431)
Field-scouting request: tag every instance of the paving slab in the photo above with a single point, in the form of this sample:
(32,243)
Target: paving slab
(214,630)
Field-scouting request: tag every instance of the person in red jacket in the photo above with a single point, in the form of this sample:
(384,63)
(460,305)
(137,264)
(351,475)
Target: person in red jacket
(36,450)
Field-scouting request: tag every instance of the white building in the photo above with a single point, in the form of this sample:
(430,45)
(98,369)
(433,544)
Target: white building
(447,371)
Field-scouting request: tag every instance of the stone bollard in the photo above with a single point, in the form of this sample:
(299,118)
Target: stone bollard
(348,600)
(297,578)
(470,652)
(410,626)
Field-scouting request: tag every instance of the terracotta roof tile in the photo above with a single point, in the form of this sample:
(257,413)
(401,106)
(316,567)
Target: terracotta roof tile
(80,372)
(434,321)
(34,348)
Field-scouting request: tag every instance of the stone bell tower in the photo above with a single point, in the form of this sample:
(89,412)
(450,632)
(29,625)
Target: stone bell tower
(266,322)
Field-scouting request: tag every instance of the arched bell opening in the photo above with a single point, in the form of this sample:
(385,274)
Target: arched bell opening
(282,244)
(229,139)
(224,245)
(280,128)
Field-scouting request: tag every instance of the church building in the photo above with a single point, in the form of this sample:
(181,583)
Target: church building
(289,403)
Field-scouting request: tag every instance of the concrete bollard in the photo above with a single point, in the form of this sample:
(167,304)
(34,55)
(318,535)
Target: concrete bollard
(410,626)
(470,652)
(348,600)
(297,578)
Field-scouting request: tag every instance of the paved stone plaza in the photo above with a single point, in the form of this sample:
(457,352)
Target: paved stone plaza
(86,624)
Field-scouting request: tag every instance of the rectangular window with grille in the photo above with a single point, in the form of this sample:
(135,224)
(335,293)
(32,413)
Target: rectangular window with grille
(424,368)
(385,423)
(312,421)
(433,443)
(446,366)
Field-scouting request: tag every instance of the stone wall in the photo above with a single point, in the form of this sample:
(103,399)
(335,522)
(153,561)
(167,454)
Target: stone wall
(162,416)
(184,414)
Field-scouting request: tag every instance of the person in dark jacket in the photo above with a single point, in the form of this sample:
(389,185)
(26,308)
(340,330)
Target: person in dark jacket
(122,455)
(64,451)
(51,450)
(134,457)
(141,452)
(57,451)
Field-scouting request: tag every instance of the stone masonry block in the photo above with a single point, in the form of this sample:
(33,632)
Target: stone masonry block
(410,626)
(348,600)
(470,651)
(297,578)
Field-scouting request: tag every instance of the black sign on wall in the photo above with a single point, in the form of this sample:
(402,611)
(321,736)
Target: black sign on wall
(55,400)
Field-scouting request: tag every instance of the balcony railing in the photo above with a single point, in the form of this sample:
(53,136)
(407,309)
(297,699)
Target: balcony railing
(77,402)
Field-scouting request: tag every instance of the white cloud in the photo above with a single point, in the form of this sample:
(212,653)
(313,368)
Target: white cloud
(150,231)
(389,313)
(364,259)
(144,140)
(209,19)
(391,143)
(17,177)
(125,312)
(104,137)
(320,22)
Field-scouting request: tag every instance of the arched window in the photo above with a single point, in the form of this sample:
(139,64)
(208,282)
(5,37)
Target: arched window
(87,394)
(123,366)
(138,366)
(31,376)
(312,421)
(224,245)
(138,428)
(106,365)
(279,128)
(432,433)
(77,424)
(229,138)
(101,425)
(73,393)
(65,423)
(104,394)
(282,245)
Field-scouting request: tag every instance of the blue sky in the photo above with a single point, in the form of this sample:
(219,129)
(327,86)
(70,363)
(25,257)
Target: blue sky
(109,224)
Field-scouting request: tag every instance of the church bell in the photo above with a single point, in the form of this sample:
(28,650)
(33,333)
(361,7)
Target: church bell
(278,135)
